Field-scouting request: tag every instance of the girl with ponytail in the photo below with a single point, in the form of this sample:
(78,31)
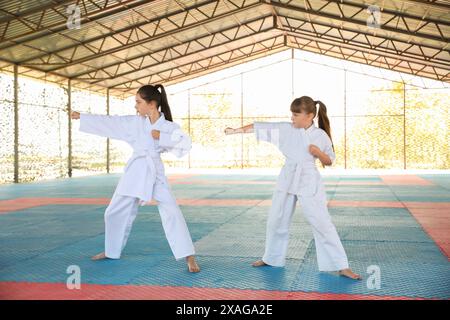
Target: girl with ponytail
(301,142)
(150,93)
(150,133)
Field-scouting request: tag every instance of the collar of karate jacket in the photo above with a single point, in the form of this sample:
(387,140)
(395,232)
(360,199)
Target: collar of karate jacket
(161,118)
(311,128)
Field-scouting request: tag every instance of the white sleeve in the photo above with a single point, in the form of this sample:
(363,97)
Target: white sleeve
(269,131)
(328,148)
(114,127)
(175,141)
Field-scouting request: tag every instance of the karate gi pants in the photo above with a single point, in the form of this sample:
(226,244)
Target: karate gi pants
(120,215)
(330,252)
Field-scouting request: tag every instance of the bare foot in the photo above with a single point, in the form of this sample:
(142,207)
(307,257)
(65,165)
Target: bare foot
(259,263)
(99,256)
(350,274)
(192,265)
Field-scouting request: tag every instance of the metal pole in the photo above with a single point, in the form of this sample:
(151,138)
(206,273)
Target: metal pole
(189,123)
(16,123)
(292,74)
(107,139)
(69,112)
(404,126)
(242,120)
(345,119)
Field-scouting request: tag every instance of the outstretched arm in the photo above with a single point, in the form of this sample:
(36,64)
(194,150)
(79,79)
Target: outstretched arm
(265,131)
(115,127)
(245,129)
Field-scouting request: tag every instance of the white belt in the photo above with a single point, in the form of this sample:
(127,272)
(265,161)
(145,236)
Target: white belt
(150,158)
(297,170)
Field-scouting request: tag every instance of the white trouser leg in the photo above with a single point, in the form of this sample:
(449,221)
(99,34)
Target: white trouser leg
(277,232)
(119,217)
(330,252)
(173,222)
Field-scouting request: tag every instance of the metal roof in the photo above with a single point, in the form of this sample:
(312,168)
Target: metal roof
(124,44)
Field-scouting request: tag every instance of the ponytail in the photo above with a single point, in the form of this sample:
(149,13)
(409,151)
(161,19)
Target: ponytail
(324,122)
(165,108)
(149,93)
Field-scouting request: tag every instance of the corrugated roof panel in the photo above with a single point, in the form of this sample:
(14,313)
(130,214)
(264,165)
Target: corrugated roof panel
(205,54)
(16,28)
(78,68)
(113,56)
(18,6)
(158,45)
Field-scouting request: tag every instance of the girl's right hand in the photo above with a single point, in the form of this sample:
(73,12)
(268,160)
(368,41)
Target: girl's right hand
(75,115)
(229,131)
(314,150)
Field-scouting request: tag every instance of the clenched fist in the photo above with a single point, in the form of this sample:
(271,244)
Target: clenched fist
(75,115)
(155,134)
(314,150)
(229,131)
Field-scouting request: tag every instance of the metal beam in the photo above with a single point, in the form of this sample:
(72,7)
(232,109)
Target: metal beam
(132,90)
(429,3)
(340,18)
(383,9)
(439,63)
(47,73)
(154,37)
(357,49)
(61,26)
(208,61)
(31,11)
(368,45)
(304,21)
(150,38)
(164,52)
(336,49)
(116,31)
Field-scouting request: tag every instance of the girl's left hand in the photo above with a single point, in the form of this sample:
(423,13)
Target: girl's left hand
(155,134)
(314,150)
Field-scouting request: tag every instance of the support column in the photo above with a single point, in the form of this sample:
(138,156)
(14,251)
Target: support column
(16,123)
(107,140)
(242,120)
(345,119)
(404,126)
(69,112)
(189,124)
(292,74)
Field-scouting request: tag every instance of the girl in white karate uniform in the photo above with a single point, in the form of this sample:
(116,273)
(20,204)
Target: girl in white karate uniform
(149,133)
(301,142)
